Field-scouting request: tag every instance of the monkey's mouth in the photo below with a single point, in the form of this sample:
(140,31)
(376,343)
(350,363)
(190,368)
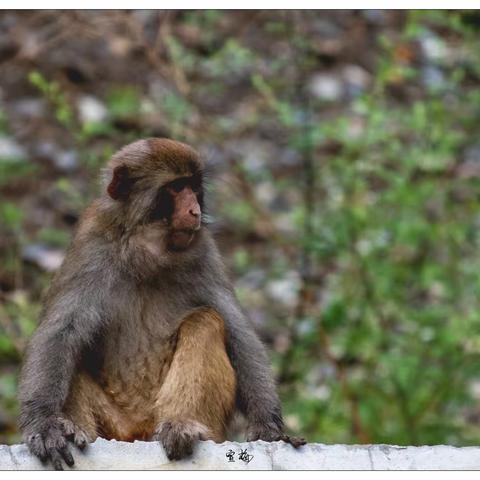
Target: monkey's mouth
(180,240)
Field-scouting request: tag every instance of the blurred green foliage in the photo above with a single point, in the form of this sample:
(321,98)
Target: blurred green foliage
(383,343)
(54,94)
(396,227)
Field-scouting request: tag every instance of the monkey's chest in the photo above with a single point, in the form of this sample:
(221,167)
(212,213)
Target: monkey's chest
(136,361)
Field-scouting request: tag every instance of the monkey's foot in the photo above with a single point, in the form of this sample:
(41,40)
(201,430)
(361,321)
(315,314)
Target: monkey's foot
(178,437)
(49,442)
(74,433)
(271,433)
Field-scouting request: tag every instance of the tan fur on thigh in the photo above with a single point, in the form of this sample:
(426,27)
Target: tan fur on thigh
(200,384)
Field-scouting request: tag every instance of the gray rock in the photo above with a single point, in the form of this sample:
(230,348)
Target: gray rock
(356,78)
(470,167)
(265,192)
(326,87)
(252,279)
(433,77)
(10,149)
(113,455)
(254,153)
(30,107)
(378,17)
(66,160)
(46,148)
(46,258)
(434,48)
(285,290)
(472,153)
(91,109)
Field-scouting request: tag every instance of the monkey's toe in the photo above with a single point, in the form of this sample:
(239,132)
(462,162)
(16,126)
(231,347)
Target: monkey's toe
(57,449)
(67,427)
(80,439)
(50,441)
(267,432)
(179,448)
(178,438)
(74,433)
(296,442)
(37,447)
(271,433)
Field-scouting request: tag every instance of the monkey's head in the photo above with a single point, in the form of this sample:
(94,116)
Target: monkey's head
(156,183)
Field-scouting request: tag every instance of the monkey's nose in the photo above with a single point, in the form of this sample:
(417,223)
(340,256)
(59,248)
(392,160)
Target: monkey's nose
(195,211)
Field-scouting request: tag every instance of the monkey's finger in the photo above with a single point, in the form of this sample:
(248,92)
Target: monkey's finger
(56,459)
(294,441)
(253,437)
(74,433)
(80,439)
(67,428)
(297,441)
(176,447)
(185,448)
(57,447)
(67,456)
(37,447)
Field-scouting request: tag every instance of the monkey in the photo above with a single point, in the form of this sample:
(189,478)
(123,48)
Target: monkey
(141,336)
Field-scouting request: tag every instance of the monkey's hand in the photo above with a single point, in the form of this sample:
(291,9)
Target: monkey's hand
(49,441)
(271,432)
(178,437)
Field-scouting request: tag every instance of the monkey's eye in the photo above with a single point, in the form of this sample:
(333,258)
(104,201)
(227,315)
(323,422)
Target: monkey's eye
(163,206)
(177,185)
(196,183)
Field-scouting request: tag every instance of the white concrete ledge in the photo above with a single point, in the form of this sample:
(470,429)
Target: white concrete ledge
(112,455)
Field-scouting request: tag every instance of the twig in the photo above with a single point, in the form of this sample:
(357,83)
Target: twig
(171,72)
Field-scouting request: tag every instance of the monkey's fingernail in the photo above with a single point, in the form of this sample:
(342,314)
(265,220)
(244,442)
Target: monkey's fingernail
(68,458)
(81,444)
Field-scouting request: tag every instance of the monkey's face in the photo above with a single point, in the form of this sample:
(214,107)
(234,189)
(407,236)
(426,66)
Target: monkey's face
(178,206)
(157,184)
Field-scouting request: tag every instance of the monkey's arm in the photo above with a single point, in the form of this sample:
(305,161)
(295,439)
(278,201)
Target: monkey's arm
(71,318)
(256,390)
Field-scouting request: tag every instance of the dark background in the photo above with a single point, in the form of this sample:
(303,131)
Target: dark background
(345,157)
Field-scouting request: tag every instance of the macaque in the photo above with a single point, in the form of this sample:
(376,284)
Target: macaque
(141,336)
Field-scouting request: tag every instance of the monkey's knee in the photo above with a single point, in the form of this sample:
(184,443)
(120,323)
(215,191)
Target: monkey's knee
(201,338)
(203,323)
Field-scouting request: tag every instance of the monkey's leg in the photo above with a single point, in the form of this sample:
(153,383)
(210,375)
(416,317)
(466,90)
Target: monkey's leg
(94,414)
(80,407)
(197,397)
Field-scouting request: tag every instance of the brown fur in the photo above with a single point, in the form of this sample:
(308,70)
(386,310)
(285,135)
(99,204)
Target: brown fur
(192,366)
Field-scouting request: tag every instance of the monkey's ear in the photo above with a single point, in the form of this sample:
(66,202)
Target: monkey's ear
(120,186)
